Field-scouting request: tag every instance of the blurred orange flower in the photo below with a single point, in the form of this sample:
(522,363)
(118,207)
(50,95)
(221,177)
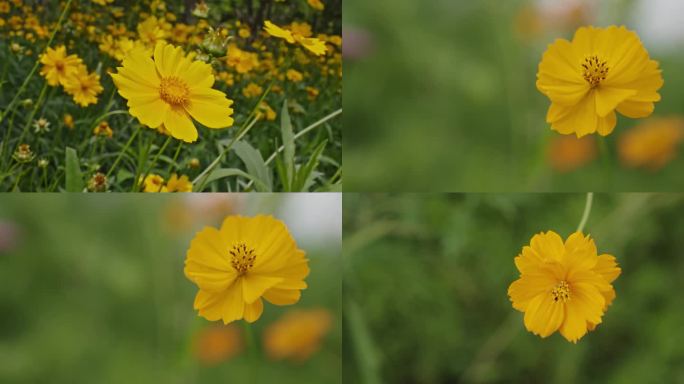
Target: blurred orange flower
(652,144)
(567,153)
(297,335)
(215,344)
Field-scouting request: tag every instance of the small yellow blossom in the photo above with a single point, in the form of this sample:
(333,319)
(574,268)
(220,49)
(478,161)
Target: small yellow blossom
(297,335)
(179,184)
(294,75)
(103,129)
(563,286)
(652,144)
(252,90)
(58,67)
(311,43)
(217,343)
(154,183)
(316,4)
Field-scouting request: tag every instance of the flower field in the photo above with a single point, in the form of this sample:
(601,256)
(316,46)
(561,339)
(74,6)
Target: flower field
(170,96)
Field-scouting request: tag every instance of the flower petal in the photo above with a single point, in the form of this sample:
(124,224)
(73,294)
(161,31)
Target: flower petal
(607,99)
(211,108)
(543,315)
(178,123)
(150,112)
(253,311)
(278,296)
(233,305)
(253,286)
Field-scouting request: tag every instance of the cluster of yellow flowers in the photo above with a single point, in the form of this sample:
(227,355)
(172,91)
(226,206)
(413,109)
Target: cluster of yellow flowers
(70,72)
(155,183)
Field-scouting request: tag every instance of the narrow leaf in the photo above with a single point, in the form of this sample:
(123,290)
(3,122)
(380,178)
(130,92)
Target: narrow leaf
(74,177)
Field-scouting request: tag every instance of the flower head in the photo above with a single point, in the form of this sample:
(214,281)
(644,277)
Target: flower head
(171,89)
(600,71)
(57,66)
(311,43)
(247,259)
(153,183)
(563,286)
(179,184)
(217,343)
(83,87)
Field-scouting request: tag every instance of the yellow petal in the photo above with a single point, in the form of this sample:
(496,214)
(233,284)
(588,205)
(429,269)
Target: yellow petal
(276,31)
(587,300)
(282,296)
(206,263)
(178,123)
(139,66)
(574,325)
(607,267)
(543,315)
(198,76)
(548,245)
(635,109)
(581,119)
(528,287)
(150,112)
(211,108)
(253,286)
(607,99)
(233,304)
(253,311)
(167,58)
(209,305)
(606,124)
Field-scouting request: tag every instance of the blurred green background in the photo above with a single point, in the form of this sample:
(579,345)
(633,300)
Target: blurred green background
(93,289)
(426,279)
(440,95)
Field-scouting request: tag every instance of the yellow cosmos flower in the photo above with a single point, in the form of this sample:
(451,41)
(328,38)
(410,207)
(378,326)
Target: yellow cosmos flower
(563,286)
(248,259)
(312,44)
(83,87)
(170,89)
(215,344)
(600,71)
(652,144)
(297,335)
(57,66)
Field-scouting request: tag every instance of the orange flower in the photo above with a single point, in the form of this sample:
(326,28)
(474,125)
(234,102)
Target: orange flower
(297,335)
(567,153)
(215,344)
(652,144)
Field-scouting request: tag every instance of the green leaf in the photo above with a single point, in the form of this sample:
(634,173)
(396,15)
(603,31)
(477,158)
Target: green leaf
(304,177)
(282,173)
(288,143)
(255,164)
(221,173)
(74,177)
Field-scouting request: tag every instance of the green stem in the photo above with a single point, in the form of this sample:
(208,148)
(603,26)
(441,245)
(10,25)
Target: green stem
(202,177)
(252,351)
(175,157)
(123,150)
(587,211)
(33,113)
(23,86)
(156,157)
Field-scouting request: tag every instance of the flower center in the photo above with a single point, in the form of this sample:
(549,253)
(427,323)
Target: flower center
(595,70)
(174,91)
(561,292)
(242,258)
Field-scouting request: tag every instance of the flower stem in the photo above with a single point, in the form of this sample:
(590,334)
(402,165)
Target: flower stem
(123,150)
(252,352)
(587,211)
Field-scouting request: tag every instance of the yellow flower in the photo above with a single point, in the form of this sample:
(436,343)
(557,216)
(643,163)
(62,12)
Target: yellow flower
(600,71)
(294,75)
(266,110)
(215,344)
(297,335)
(248,259)
(302,29)
(316,4)
(103,129)
(252,90)
(312,44)
(176,184)
(653,144)
(154,183)
(151,32)
(83,87)
(242,61)
(57,66)
(103,2)
(171,89)
(563,287)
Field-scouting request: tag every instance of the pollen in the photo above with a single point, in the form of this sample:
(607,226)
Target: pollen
(174,91)
(561,292)
(242,258)
(595,70)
